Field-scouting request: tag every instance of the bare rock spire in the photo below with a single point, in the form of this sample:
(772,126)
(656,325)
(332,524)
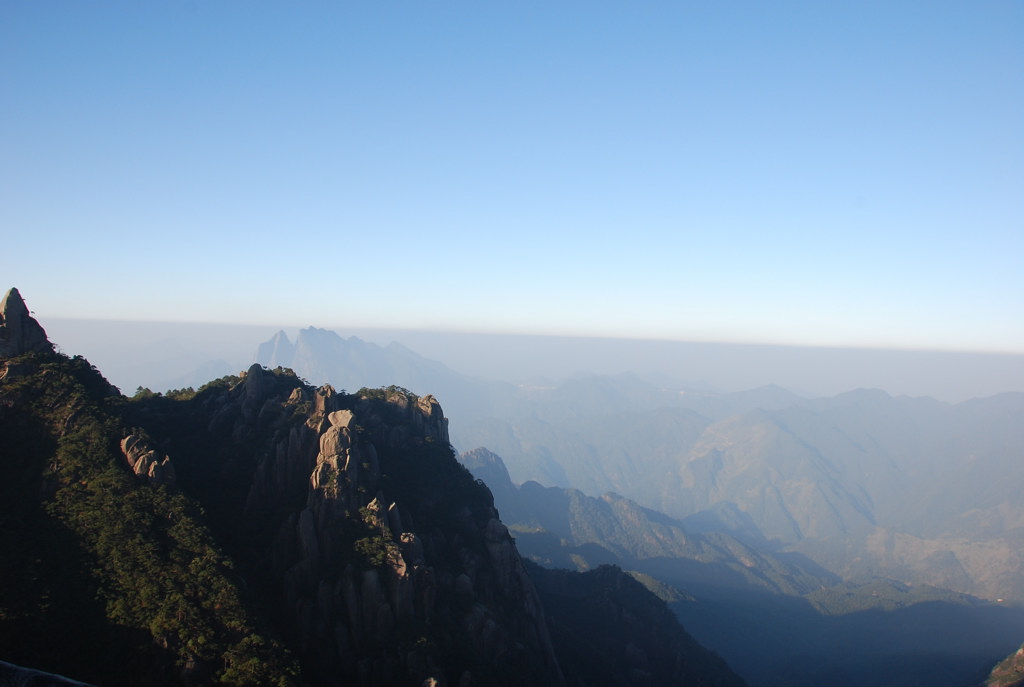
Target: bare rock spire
(19,331)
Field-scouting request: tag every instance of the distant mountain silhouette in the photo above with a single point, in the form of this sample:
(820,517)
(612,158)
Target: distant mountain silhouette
(863,483)
(323,357)
(566,528)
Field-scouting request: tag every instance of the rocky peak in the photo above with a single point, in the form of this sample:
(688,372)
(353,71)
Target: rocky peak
(387,564)
(19,331)
(487,466)
(490,468)
(278,351)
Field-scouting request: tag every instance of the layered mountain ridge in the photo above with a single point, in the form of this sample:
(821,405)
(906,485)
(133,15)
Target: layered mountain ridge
(863,483)
(917,492)
(776,617)
(565,528)
(276,533)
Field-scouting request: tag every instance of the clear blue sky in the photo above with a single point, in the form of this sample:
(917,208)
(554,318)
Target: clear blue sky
(784,172)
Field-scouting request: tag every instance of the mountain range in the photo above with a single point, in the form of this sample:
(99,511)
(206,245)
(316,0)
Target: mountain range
(778,618)
(861,486)
(778,528)
(863,483)
(261,531)
(351,363)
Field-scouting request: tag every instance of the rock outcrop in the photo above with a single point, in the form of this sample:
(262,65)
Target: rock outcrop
(146,462)
(300,536)
(19,331)
(385,561)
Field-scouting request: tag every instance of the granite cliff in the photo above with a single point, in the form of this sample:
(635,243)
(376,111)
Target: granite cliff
(382,558)
(19,331)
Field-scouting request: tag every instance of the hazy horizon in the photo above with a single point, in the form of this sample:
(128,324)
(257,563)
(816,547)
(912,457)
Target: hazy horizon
(151,352)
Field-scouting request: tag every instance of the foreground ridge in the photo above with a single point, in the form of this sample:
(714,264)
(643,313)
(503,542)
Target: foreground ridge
(258,531)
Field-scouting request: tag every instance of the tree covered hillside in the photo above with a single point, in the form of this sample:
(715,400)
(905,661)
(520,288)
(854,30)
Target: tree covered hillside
(106,577)
(259,531)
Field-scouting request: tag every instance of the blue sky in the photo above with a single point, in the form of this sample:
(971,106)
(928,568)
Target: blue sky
(793,172)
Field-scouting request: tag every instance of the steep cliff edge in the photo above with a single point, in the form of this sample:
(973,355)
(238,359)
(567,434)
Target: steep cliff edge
(340,524)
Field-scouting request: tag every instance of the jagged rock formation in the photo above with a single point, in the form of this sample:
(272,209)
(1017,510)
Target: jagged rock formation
(364,544)
(379,554)
(146,462)
(301,536)
(19,331)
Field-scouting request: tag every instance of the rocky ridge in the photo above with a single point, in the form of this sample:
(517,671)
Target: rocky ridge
(393,565)
(263,531)
(566,528)
(731,595)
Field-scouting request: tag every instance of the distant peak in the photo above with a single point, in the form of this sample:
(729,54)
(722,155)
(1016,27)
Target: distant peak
(19,331)
(481,456)
(487,466)
(12,303)
(278,351)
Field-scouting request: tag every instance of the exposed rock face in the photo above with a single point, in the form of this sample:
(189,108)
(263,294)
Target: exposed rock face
(332,530)
(19,331)
(146,462)
(388,564)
